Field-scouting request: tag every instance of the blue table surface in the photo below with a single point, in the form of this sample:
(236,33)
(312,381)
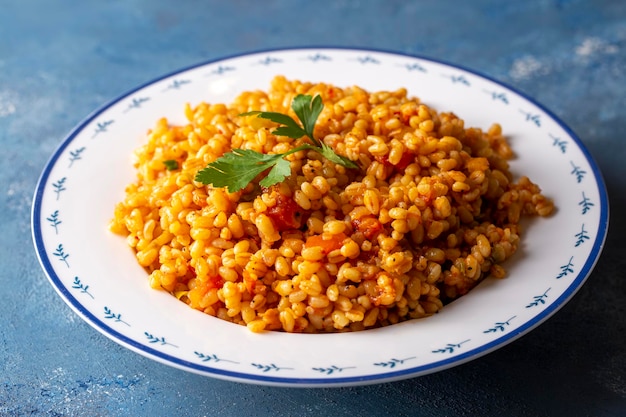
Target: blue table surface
(61,59)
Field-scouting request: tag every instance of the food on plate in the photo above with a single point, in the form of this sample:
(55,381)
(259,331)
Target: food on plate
(314,208)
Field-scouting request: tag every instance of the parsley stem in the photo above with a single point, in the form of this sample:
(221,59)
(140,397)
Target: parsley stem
(306,146)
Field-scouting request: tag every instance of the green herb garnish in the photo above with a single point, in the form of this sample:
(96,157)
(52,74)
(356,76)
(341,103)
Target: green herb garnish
(171,164)
(237,168)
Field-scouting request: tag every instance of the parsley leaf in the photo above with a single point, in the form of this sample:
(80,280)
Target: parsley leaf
(171,164)
(328,153)
(237,168)
(281,170)
(290,129)
(308,111)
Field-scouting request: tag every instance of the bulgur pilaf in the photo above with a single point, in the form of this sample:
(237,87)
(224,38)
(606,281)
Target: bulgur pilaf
(433,211)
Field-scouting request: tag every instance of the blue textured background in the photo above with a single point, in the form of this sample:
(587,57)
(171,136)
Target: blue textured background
(59,60)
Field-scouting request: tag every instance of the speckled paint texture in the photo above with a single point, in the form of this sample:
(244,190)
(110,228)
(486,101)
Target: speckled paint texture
(60,60)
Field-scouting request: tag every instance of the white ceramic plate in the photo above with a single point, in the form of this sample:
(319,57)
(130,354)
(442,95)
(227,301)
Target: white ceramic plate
(97,275)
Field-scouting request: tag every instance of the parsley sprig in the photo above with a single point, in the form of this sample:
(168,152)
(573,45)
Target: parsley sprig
(237,168)
(171,164)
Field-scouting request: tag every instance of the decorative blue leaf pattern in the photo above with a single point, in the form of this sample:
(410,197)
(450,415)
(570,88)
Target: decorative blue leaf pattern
(458,79)
(532,117)
(393,362)
(78,285)
(581,236)
(212,358)
(566,269)
(269,61)
(332,369)
(539,299)
(110,315)
(75,155)
(559,143)
(136,103)
(158,340)
(59,186)
(61,255)
(451,347)
(498,96)
(101,127)
(221,69)
(318,57)
(54,221)
(578,172)
(270,367)
(499,326)
(176,84)
(367,59)
(585,203)
(415,67)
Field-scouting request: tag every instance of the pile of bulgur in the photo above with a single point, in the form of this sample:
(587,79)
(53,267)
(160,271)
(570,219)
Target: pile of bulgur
(433,210)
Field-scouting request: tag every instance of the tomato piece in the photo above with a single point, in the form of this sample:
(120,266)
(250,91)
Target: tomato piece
(286,214)
(369,226)
(215,282)
(327,245)
(407,159)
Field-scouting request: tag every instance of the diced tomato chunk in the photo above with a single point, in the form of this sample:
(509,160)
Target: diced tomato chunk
(215,282)
(286,214)
(405,161)
(328,245)
(369,226)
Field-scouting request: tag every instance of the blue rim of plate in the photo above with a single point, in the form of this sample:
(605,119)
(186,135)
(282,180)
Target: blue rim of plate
(102,327)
